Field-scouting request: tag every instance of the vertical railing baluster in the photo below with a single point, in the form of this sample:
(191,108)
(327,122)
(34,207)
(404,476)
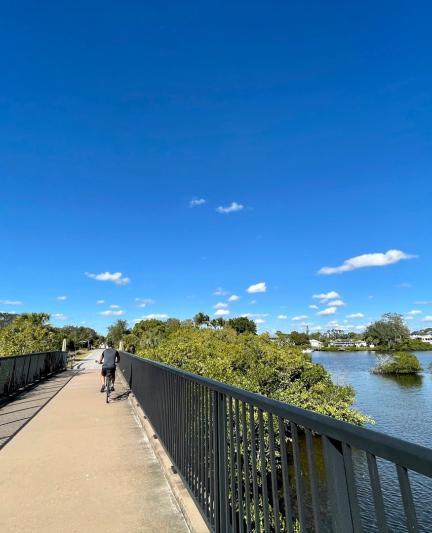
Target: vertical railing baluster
(407,499)
(275,497)
(301,509)
(285,477)
(246,468)
(239,468)
(254,468)
(263,461)
(377,493)
(352,489)
(313,480)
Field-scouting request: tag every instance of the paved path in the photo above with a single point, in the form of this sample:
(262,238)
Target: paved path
(80,465)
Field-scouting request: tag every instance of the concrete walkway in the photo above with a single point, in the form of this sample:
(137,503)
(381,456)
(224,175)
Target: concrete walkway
(80,465)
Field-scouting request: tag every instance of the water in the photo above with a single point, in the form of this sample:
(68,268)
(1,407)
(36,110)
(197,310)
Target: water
(401,406)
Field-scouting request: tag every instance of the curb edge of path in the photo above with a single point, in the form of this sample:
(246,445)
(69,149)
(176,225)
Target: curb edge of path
(188,507)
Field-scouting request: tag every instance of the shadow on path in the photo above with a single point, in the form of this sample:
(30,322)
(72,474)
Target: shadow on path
(14,415)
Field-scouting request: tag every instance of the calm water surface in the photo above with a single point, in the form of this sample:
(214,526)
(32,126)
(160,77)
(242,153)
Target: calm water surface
(402,407)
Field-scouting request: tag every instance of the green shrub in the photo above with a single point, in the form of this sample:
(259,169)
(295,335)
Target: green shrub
(398,363)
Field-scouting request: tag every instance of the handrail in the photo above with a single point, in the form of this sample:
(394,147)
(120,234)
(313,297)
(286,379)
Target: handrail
(250,460)
(18,371)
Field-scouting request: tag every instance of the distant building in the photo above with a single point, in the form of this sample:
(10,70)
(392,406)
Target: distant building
(316,345)
(424,338)
(348,343)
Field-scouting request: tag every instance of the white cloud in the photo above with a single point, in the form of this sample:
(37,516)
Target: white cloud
(313,306)
(326,296)
(259,321)
(59,316)
(356,315)
(197,201)
(258,287)
(143,302)
(404,285)
(153,316)
(368,260)
(234,298)
(427,318)
(336,303)
(409,318)
(99,302)
(253,302)
(115,277)
(255,315)
(232,208)
(414,312)
(282,317)
(111,312)
(10,302)
(61,298)
(423,302)
(220,292)
(300,317)
(222,312)
(221,305)
(328,311)
(113,306)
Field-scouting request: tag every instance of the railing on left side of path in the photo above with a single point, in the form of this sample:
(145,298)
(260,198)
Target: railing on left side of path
(18,371)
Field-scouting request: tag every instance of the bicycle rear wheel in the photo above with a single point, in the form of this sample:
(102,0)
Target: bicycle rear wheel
(108,386)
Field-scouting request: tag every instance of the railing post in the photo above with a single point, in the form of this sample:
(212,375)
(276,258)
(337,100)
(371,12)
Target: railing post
(340,508)
(221,525)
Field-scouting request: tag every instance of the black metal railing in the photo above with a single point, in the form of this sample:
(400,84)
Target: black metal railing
(255,464)
(19,371)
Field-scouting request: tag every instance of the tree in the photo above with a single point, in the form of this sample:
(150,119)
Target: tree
(200,319)
(77,336)
(256,363)
(28,333)
(299,339)
(387,332)
(398,363)
(116,332)
(6,319)
(242,324)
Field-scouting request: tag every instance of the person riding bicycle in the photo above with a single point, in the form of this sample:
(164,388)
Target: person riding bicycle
(108,360)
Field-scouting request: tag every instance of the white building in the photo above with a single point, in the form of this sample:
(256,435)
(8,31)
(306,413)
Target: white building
(348,343)
(316,345)
(425,338)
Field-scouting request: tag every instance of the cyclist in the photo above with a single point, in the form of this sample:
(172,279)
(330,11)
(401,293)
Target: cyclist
(108,360)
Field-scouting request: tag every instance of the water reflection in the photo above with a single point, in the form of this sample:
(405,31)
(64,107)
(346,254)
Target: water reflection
(405,380)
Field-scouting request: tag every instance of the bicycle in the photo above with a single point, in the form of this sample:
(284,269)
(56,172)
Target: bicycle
(108,384)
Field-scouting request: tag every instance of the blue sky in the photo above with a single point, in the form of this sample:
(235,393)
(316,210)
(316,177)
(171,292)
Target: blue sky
(314,119)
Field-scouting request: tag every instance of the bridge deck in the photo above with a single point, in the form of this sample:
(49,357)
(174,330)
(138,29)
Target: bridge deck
(80,465)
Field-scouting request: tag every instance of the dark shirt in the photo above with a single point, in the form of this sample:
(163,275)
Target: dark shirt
(110,357)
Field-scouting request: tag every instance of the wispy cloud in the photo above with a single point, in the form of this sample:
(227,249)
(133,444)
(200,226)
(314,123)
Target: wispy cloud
(112,312)
(153,316)
(100,302)
(323,296)
(143,302)
(404,285)
(328,311)
(114,306)
(414,312)
(222,312)
(234,298)
(282,317)
(220,292)
(197,201)
(423,302)
(10,302)
(221,305)
(356,315)
(232,208)
(368,260)
(59,316)
(61,298)
(259,321)
(313,306)
(258,287)
(427,318)
(336,303)
(300,317)
(114,277)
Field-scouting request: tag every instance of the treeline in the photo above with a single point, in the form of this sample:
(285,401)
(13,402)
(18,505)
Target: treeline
(231,353)
(32,332)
